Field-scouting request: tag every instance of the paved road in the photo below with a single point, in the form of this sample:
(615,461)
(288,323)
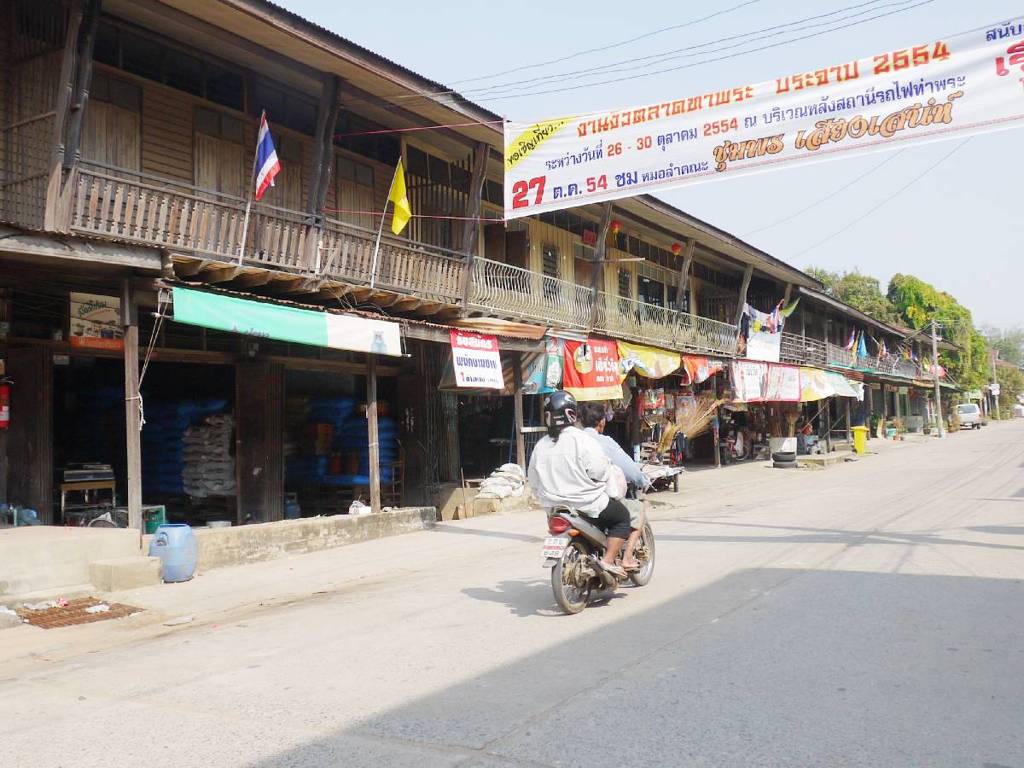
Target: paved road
(867,615)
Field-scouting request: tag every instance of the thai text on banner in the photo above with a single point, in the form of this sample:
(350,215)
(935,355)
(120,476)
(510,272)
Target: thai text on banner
(966,84)
(476,360)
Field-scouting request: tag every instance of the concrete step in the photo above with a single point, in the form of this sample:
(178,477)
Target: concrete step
(120,573)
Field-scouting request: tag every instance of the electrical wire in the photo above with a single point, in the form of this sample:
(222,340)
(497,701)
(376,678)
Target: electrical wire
(435,95)
(888,199)
(606,47)
(627,65)
(827,198)
(711,60)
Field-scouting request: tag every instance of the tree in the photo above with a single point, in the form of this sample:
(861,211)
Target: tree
(919,303)
(1008,341)
(1011,385)
(861,292)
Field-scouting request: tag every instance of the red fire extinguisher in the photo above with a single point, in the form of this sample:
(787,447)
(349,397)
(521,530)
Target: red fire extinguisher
(5,403)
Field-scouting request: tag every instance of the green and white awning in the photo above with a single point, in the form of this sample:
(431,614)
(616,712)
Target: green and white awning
(273,321)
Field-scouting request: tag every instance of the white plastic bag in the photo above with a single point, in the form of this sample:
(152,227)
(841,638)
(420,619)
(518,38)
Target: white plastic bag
(615,485)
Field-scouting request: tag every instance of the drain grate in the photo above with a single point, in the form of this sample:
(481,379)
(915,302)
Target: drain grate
(75,612)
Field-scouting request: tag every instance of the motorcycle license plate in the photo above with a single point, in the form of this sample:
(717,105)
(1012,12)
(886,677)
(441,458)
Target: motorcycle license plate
(554,546)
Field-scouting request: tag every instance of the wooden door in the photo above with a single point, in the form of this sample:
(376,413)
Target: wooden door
(220,165)
(494,242)
(584,272)
(30,437)
(517,249)
(259,441)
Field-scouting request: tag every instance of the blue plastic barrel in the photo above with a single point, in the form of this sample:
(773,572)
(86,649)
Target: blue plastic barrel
(177,548)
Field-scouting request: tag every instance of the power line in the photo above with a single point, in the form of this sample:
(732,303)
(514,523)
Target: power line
(902,9)
(823,200)
(888,199)
(606,47)
(657,58)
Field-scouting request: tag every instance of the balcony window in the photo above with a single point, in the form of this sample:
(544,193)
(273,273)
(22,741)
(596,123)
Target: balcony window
(651,291)
(219,153)
(549,265)
(183,72)
(110,133)
(140,57)
(625,283)
(355,192)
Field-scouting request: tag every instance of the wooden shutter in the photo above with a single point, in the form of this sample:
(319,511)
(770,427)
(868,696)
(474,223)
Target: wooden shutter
(111,136)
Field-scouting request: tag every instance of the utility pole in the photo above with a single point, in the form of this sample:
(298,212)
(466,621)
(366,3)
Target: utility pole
(995,382)
(935,372)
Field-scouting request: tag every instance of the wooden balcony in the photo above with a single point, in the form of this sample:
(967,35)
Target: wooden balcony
(111,204)
(124,206)
(507,290)
(802,350)
(805,351)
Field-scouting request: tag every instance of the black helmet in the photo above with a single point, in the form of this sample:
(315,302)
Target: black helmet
(560,411)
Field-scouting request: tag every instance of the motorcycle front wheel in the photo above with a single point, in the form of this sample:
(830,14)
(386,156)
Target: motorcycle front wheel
(565,576)
(645,553)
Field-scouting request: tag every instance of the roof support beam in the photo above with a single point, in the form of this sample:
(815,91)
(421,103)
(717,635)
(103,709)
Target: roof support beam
(743,293)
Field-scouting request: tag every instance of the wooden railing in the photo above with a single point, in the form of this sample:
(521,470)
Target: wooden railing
(802,350)
(122,206)
(424,271)
(126,206)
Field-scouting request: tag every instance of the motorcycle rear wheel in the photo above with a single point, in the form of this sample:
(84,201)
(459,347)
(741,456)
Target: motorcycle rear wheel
(646,543)
(570,597)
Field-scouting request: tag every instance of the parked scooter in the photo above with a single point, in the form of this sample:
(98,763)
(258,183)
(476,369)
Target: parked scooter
(573,552)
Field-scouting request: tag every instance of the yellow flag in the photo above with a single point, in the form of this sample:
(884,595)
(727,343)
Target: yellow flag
(397,196)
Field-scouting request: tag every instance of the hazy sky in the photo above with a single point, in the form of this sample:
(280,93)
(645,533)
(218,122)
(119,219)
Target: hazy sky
(961,227)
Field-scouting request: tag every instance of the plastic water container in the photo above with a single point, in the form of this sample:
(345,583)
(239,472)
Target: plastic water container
(177,548)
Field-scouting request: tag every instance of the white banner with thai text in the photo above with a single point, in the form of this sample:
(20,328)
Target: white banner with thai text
(476,360)
(967,84)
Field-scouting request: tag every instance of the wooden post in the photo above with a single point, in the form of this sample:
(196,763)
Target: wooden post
(327,118)
(371,417)
(684,279)
(133,421)
(517,377)
(600,255)
(715,439)
(747,274)
(80,97)
(849,424)
(471,230)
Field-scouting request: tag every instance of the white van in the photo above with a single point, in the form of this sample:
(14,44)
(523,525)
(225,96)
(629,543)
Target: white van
(970,415)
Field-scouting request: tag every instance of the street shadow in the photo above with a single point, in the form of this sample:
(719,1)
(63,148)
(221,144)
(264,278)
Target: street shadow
(534,598)
(511,535)
(523,598)
(763,667)
(1009,530)
(807,535)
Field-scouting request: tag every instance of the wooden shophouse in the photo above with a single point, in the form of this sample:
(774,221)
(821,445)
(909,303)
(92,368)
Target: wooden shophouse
(127,133)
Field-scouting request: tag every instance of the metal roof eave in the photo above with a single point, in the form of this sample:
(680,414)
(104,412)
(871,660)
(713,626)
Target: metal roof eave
(846,309)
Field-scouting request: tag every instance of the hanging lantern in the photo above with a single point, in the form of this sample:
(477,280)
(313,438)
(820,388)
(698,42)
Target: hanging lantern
(677,248)
(615,226)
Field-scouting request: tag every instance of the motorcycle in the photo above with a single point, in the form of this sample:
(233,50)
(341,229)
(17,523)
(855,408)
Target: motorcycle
(573,552)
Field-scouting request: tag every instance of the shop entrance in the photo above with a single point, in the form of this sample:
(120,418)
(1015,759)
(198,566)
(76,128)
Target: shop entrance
(327,463)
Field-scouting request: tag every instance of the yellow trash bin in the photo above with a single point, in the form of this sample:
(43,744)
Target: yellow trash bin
(860,439)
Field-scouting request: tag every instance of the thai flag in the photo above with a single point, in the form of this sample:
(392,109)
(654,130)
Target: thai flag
(851,342)
(267,165)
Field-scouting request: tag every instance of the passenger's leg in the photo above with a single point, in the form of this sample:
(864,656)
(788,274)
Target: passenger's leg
(615,521)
